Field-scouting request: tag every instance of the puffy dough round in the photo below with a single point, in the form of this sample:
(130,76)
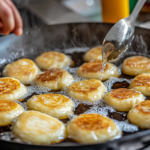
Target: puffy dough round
(25,70)
(56,105)
(55,79)
(11,89)
(91,128)
(39,128)
(136,65)
(87,90)
(94,70)
(141,83)
(123,99)
(140,114)
(9,110)
(93,54)
(52,59)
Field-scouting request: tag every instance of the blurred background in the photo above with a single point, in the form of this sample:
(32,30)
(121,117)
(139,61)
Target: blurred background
(37,12)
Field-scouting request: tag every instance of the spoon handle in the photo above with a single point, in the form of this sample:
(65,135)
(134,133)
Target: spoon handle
(137,9)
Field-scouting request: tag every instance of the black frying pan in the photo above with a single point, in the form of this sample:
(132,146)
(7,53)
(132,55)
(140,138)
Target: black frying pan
(37,40)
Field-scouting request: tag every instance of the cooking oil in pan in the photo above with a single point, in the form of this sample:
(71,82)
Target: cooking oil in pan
(81,107)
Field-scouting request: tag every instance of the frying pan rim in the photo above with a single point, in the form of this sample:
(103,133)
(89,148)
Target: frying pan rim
(122,139)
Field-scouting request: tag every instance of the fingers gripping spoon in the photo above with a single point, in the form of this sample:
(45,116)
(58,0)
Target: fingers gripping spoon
(120,35)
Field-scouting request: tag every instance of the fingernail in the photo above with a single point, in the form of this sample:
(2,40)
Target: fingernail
(19,31)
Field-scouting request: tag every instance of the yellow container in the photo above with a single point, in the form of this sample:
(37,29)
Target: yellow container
(114,10)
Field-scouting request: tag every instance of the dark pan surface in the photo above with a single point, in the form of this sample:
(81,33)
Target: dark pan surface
(37,40)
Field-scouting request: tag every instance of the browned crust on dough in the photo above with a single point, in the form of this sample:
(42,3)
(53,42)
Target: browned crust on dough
(142,80)
(92,122)
(95,66)
(123,93)
(50,75)
(51,55)
(6,105)
(23,118)
(96,51)
(53,101)
(8,85)
(16,68)
(138,62)
(91,85)
(143,107)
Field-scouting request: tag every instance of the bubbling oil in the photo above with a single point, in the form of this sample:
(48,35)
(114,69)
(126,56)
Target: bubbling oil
(80,107)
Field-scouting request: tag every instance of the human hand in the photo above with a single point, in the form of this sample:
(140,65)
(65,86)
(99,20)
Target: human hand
(10,19)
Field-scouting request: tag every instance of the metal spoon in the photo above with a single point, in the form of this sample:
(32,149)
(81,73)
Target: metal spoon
(120,35)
